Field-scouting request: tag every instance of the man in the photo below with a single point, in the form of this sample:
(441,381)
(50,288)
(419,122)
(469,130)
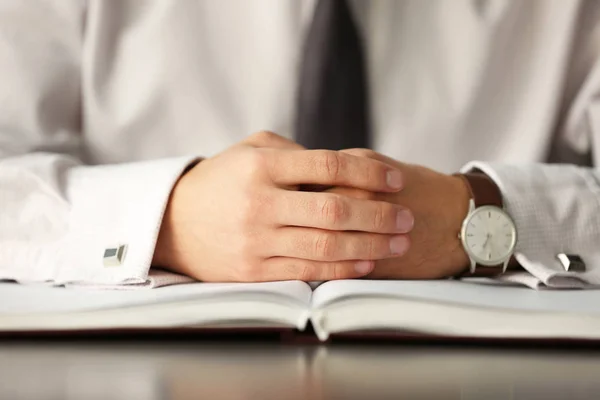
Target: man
(119,123)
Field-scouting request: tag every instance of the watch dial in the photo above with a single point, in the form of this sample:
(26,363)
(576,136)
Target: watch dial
(489,235)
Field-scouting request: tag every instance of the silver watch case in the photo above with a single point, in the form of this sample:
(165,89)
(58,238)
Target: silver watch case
(474,259)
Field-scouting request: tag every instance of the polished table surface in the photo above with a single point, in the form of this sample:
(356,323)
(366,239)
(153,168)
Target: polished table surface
(187,369)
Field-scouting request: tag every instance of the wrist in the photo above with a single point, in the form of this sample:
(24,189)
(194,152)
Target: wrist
(164,243)
(166,251)
(458,258)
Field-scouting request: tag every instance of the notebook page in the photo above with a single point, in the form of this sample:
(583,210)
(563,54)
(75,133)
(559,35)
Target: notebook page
(481,293)
(22,299)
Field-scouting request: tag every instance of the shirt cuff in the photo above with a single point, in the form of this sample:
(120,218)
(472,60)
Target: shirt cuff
(529,193)
(156,278)
(114,206)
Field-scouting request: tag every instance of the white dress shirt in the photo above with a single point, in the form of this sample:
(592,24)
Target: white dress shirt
(104,103)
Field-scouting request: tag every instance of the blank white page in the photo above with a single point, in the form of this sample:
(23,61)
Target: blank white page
(480,294)
(22,299)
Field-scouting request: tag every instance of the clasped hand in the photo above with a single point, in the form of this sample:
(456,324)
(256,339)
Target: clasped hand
(242,216)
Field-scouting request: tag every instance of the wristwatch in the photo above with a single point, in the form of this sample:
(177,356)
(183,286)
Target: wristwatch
(488,234)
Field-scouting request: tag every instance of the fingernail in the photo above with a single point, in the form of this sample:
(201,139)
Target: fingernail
(399,245)
(394,179)
(363,267)
(404,221)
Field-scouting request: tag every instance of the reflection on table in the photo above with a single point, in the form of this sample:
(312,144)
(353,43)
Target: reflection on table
(171,370)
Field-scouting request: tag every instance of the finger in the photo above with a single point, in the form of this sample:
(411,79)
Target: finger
(285,268)
(323,245)
(354,193)
(333,168)
(368,153)
(272,140)
(340,213)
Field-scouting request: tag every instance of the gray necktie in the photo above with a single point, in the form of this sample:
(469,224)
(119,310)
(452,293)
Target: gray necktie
(332,108)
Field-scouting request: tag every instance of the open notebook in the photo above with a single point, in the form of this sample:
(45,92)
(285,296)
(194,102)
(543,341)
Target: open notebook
(446,308)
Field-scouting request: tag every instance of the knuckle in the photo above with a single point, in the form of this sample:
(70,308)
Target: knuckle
(249,247)
(339,271)
(247,217)
(262,137)
(261,158)
(298,270)
(334,210)
(254,160)
(305,273)
(257,165)
(332,164)
(374,173)
(382,216)
(257,208)
(368,153)
(372,249)
(325,245)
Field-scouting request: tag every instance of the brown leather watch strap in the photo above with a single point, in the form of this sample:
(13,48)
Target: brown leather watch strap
(483,190)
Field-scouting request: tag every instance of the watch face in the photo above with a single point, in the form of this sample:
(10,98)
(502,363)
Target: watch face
(489,235)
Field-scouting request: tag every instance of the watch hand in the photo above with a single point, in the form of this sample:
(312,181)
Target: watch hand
(487,239)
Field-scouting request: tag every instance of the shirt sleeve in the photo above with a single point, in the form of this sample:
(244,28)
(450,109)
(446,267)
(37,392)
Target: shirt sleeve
(556,209)
(61,220)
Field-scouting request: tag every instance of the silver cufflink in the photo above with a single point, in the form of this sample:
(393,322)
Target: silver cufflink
(571,262)
(114,256)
